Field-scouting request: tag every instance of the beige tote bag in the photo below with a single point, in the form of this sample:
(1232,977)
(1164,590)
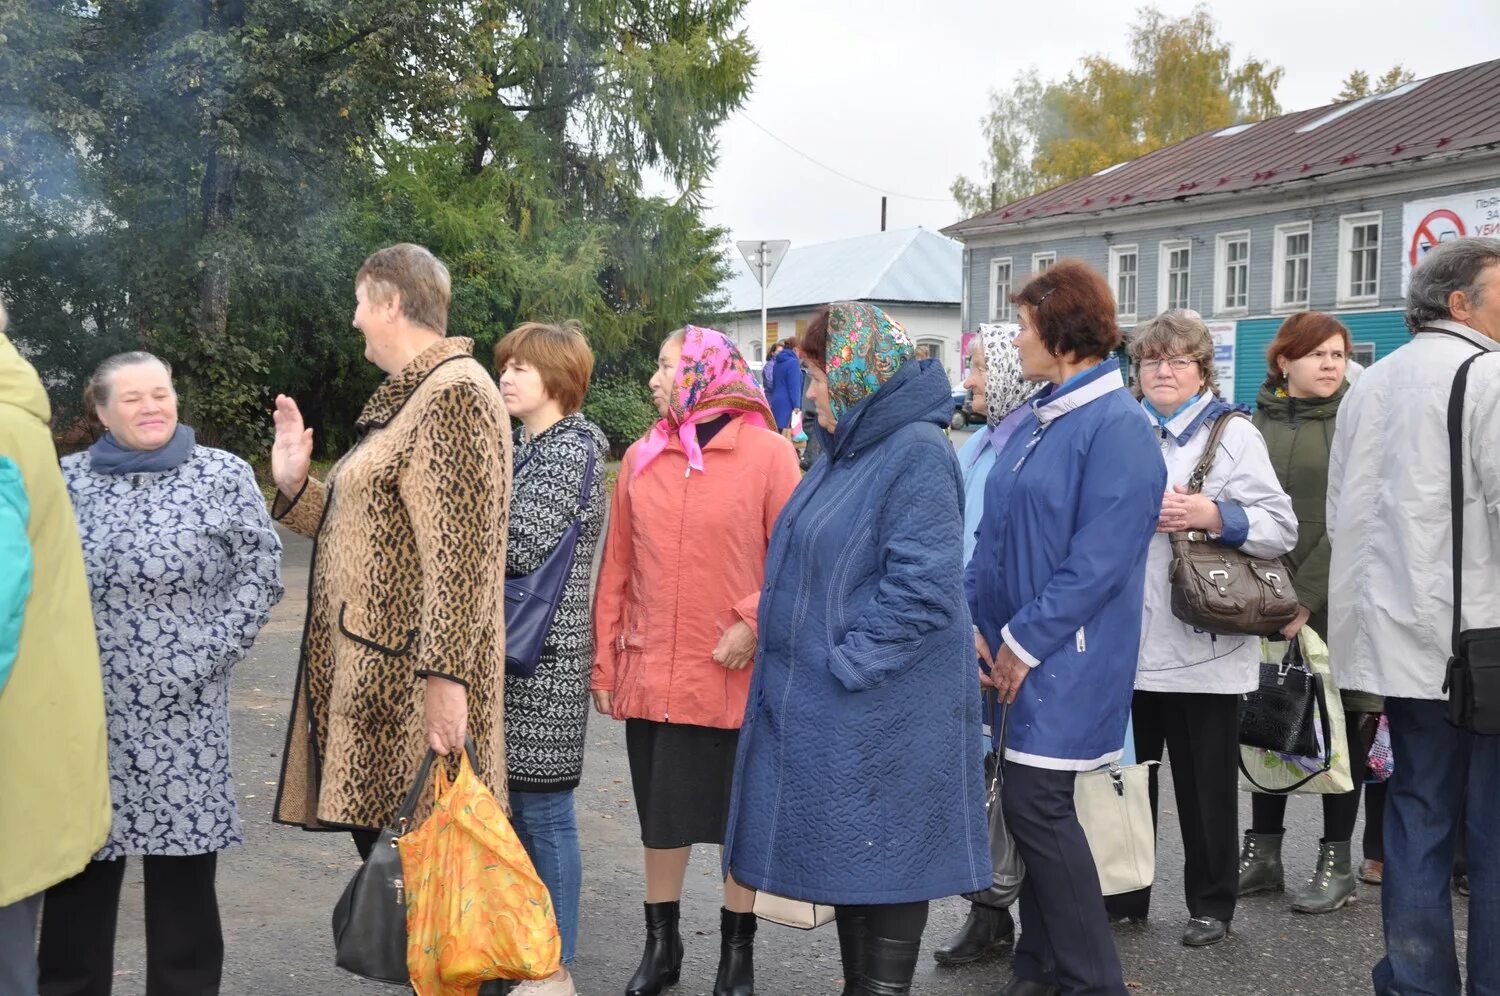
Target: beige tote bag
(792,912)
(1114,806)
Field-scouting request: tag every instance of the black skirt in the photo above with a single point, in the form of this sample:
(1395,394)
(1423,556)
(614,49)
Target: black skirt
(682,778)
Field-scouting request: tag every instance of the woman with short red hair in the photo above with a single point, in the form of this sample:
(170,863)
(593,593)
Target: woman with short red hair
(1296,412)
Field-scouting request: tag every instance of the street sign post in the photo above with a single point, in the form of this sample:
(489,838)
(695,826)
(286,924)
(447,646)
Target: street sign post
(763,256)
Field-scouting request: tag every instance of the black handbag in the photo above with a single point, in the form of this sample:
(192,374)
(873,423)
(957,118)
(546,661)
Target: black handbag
(531,600)
(1284,712)
(1009,871)
(369,920)
(1473,678)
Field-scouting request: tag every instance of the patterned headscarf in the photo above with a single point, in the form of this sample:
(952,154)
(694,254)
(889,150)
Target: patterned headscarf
(865,349)
(712,380)
(1004,387)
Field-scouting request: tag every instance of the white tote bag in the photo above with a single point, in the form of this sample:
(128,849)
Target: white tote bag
(1114,806)
(792,912)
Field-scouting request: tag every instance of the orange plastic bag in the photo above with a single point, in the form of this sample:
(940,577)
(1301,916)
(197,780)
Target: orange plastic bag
(475,908)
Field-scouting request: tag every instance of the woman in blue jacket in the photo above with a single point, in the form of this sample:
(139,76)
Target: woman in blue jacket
(1055,586)
(858,783)
(784,385)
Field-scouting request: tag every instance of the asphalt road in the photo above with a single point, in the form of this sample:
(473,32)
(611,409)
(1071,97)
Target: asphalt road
(277,892)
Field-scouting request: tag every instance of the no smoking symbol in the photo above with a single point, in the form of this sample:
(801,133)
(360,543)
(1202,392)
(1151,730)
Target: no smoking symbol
(1428,234)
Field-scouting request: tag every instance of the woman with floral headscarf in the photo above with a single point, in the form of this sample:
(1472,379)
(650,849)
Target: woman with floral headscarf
(675,624)
(857,782)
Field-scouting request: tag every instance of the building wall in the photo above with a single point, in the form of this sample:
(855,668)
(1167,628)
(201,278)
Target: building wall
(1378,322)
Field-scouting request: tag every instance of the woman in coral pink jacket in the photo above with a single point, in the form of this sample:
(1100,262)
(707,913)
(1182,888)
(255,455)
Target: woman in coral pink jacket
(675,624)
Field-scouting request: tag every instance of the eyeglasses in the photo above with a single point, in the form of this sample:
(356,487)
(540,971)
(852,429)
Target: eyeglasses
(1177,363)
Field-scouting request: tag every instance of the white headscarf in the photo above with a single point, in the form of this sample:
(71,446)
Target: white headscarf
(1004,387)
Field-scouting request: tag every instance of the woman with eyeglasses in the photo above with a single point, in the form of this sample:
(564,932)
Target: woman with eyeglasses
(1189,683)
(1296,412)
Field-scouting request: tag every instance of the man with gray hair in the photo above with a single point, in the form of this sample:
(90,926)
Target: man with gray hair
(1391,610)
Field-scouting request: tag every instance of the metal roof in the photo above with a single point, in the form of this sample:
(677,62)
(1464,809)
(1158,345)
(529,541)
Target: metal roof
(1435,117)
(910,265)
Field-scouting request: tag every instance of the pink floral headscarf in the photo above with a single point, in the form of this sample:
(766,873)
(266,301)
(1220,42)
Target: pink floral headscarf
(713,379)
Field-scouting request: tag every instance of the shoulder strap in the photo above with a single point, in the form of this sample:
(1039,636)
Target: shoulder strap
(588,469)
(1456,486)
(1206,462)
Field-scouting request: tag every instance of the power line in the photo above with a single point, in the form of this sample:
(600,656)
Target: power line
(842,175)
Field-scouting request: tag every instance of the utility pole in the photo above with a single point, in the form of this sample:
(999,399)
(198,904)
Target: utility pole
(882,213)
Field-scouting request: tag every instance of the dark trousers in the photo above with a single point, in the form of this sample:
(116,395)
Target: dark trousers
(1439,771)
(1065,936)
(1340,809)
(1374,836)
(184,942)
(1201,735)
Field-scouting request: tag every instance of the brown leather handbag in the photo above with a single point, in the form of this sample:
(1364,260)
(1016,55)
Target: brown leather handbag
(1221,590)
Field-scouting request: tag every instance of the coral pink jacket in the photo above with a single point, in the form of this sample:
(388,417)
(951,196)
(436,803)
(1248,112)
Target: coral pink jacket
(684,559)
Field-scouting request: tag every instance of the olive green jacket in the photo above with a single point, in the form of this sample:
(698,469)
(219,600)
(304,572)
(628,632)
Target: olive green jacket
(1299,436)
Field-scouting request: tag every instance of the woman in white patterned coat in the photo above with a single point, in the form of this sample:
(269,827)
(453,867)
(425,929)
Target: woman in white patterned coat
(184,567)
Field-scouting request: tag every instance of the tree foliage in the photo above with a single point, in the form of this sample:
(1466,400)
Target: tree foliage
(1358,84)
(203,177)
(1181,79)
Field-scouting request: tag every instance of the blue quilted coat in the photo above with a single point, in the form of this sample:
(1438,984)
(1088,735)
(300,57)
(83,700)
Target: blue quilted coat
(857,780)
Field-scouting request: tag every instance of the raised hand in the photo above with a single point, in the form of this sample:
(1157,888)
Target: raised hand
(291,454)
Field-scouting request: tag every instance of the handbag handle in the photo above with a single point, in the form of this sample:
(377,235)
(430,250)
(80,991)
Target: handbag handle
(414,795)
(1211,450)
(588,469)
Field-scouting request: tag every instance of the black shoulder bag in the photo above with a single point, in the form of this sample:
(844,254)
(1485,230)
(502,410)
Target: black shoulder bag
(369,920)
(1285,714)
(531,600)
(1473,679)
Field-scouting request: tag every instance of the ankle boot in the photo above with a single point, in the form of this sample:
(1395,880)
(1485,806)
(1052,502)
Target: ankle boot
(661,962)
(1260,864)
(985,934)
(889,966)
(736,954)
(1332,885)
(852,951)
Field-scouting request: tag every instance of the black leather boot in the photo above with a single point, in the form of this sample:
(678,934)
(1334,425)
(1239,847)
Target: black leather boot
(661,962)
(889,966)
(852,952)
(985,934)
(736,954)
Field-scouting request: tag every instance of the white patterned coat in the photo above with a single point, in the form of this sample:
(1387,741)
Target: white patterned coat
(183,567)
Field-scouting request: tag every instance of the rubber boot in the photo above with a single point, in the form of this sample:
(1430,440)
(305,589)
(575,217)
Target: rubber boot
(736,954)
(889,966)
(852,929)
(985,934)
(661,962)
(1260,864)
(1332,886)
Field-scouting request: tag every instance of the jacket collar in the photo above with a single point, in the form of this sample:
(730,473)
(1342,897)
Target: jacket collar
(1185,424)
(1055,402)
(397,389)
(725,439)
(1448,325)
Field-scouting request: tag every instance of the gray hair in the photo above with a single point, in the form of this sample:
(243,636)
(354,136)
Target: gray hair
(1179,332)
(1451,266)
(96,393)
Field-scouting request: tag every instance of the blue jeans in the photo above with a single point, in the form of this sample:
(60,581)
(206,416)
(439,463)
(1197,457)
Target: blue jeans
(18,946)
(548,828)
(1438,769)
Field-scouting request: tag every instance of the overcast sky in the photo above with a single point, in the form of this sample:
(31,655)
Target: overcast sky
(891,92)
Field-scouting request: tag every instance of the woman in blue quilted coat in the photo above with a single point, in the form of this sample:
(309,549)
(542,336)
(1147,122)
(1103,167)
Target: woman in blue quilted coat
(184,568)
(857,783)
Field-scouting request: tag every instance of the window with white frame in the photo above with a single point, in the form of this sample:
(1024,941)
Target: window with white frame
(1124,279)
(1232,273)
(1173,287)
(1291,267)
(1359,258)
(1042,261)
(1363,353)
(1000,306)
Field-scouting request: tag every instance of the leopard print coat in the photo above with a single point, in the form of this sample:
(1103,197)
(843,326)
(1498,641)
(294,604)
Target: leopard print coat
(407,581)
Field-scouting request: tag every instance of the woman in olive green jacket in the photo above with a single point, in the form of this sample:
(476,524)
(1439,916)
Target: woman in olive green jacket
(1296,411)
